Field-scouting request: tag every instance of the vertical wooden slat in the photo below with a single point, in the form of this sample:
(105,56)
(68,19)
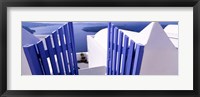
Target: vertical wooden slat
(130,58)
(124,53)
(43,58)
(60,31)
(138,59)
(51,54)
(108,48)
(119,53)
(111,49)
(33,60)
(71,31)
(115,50)
(57,48)
(69,51)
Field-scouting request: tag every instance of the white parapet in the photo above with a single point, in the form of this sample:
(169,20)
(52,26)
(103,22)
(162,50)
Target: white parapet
(100,70)
(96,52)
(160,55)
(172,33)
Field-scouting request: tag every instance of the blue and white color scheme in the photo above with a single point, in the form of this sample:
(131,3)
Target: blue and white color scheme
(122,59)
(100,48)
(37,55)
(160,56)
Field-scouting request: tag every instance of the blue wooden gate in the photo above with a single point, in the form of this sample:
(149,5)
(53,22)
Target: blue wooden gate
(122,58)
(64,50)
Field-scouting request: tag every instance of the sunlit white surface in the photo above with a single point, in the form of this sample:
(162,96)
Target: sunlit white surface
(160,55)
(172,33)
(183,81)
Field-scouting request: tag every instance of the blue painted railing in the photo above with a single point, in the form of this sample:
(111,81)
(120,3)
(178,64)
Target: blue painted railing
(65,53)
(122,58)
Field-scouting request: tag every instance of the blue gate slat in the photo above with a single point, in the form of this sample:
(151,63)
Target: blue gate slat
(111,49)
(130,58)
(119,53)
(51,54)
(60,31)
(54,51)
(71,30)
(122,59)
(115,50)
(108,48)
(33,60)
(43,58)
(47,53)
(67,44)
(138,59)
(57,48)
(69,51)
(124,52)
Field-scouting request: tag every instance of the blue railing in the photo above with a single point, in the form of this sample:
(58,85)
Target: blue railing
(37,56)
(122,58)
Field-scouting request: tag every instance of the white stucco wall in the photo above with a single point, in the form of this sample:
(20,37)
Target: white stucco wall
(160,55)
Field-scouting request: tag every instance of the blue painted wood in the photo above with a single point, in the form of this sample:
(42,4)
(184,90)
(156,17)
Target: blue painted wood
(111,49)
(71,31)
(115,50)
(43,56)
(138,59)
(124,52)
(130,57)
(51,54)
(32,58)
(69,47)
(128,62)
(63,46)
(108,48)
(119,53)
(57,48)
(118,57)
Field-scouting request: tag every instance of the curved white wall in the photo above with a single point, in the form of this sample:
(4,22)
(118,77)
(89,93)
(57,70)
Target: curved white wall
(160,55)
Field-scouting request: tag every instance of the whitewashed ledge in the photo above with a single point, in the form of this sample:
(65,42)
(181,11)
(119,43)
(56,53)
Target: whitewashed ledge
(160,55)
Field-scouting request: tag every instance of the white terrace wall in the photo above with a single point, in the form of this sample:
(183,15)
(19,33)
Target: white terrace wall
(160,55)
